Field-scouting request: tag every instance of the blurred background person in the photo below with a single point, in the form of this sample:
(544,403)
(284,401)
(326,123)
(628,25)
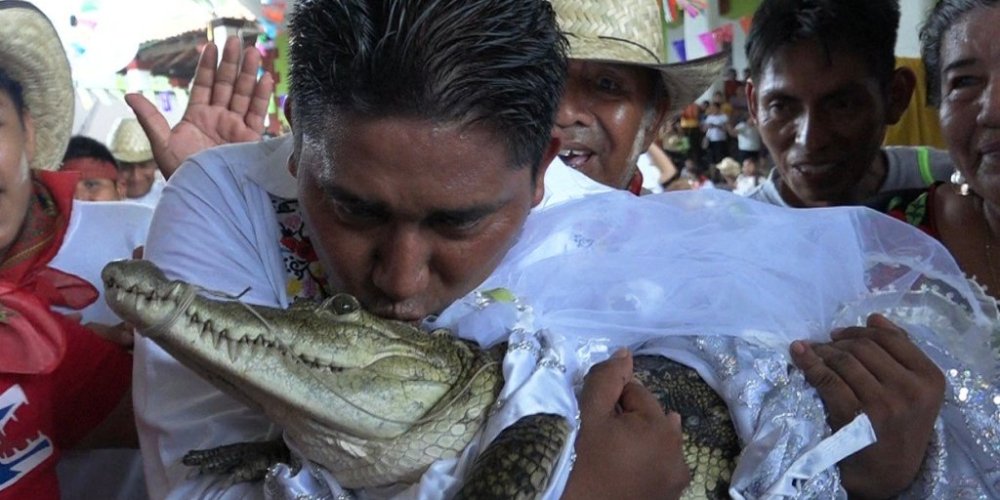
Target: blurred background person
(137,169)
(97,168)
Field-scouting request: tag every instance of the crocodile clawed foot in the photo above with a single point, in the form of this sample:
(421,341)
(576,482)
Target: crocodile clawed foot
(241,461)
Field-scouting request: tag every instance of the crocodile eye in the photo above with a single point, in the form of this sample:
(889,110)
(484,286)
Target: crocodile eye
(343,303)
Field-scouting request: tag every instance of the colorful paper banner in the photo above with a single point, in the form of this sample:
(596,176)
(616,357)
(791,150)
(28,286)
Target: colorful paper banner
(745,23)
(681,50)
(708,41)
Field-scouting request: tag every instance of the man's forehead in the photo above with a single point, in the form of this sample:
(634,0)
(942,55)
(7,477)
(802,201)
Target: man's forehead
(808,65)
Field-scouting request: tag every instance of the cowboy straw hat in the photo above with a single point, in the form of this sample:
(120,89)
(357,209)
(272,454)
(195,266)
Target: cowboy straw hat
(629,32)
(129,143)
(32,54)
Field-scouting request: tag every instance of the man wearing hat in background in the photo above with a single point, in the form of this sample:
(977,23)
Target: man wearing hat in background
(620,88)
(136,167)
(98,170)
(61,385)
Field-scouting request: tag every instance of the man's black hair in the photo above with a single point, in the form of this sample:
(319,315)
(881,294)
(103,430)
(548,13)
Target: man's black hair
(496,64)
(84,147)
(864,28)
(941,18)
(13,90)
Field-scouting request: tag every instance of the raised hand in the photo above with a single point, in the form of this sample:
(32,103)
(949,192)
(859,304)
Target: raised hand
(226,105)
(878,370)
(627,447)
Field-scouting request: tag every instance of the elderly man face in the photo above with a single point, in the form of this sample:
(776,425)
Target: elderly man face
(608,117)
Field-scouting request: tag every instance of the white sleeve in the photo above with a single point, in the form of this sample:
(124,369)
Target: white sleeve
(202,232)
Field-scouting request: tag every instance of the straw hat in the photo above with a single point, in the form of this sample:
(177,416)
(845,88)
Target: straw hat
(130,144)
(630,32)
(728,167)
(31,54)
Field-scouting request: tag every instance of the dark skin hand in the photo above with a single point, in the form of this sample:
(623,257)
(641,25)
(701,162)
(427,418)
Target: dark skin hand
(878,370)
(227,105)
(627,447)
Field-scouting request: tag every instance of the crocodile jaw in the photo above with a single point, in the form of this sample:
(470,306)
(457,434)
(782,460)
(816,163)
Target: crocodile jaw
(279,364)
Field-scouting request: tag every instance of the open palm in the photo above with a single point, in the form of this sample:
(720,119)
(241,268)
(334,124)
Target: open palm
(226,105)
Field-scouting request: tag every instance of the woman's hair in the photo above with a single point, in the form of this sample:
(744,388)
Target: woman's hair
(941,18)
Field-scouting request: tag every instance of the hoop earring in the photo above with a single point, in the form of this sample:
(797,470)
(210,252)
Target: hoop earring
(959,180)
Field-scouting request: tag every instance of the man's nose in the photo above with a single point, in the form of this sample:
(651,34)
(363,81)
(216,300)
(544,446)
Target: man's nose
(574,108)
(812,130)
(402,263)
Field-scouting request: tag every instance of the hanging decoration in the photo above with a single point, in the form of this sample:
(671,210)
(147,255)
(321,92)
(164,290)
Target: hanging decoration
(681,50)
(669,9)
(745,23)
(708,41)
(693,8)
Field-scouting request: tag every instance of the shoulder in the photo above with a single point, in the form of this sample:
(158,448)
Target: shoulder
(913,206)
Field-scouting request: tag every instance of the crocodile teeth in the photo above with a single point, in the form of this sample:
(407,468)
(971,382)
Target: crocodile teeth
(232,349)
(218,341)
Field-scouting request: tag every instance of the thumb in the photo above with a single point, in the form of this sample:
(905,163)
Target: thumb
(152,121)
(605,383)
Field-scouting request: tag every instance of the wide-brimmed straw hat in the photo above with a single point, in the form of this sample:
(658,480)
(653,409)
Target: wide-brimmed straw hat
(129,143)
(32,54)
(630,32)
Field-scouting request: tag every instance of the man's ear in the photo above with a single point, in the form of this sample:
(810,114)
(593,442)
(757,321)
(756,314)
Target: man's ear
(293,164)
(120,189)
(288,110)
(550,154)
(656,126)
(900,92)
(751,101)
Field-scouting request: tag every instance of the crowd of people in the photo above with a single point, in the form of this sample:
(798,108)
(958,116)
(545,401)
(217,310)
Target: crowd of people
(440,148)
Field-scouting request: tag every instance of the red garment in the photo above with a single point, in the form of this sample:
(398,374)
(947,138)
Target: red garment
(30,342)
(91,168)
(43,414)
(58,380)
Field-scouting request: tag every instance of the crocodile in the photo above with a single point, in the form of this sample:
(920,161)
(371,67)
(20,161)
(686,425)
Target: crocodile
(376,401)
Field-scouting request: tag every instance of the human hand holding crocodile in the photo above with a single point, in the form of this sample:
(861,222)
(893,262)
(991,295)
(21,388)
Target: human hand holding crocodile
(627,447)
(878,370)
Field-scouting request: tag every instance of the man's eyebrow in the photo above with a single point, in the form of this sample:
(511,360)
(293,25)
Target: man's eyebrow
(961,63)
(344,196)
(465,214)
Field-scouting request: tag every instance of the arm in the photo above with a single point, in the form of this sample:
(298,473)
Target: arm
(627,447)
(226,105)
(202,233)
(878,370)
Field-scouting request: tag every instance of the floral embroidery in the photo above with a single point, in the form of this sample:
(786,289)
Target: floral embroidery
(305,277)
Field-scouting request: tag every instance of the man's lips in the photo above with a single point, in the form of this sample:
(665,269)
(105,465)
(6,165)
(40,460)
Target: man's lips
(815,169)
(575,157)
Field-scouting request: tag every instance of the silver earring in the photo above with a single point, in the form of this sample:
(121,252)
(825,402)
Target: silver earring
(959,180)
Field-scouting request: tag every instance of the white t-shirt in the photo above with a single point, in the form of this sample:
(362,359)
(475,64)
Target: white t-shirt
(650,174)
(715,127)
(747,137)
(903,172)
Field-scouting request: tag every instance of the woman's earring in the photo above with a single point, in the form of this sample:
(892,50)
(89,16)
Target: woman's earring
(959,180)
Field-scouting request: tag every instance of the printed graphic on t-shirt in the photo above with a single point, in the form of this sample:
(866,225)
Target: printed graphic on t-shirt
(20,452)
